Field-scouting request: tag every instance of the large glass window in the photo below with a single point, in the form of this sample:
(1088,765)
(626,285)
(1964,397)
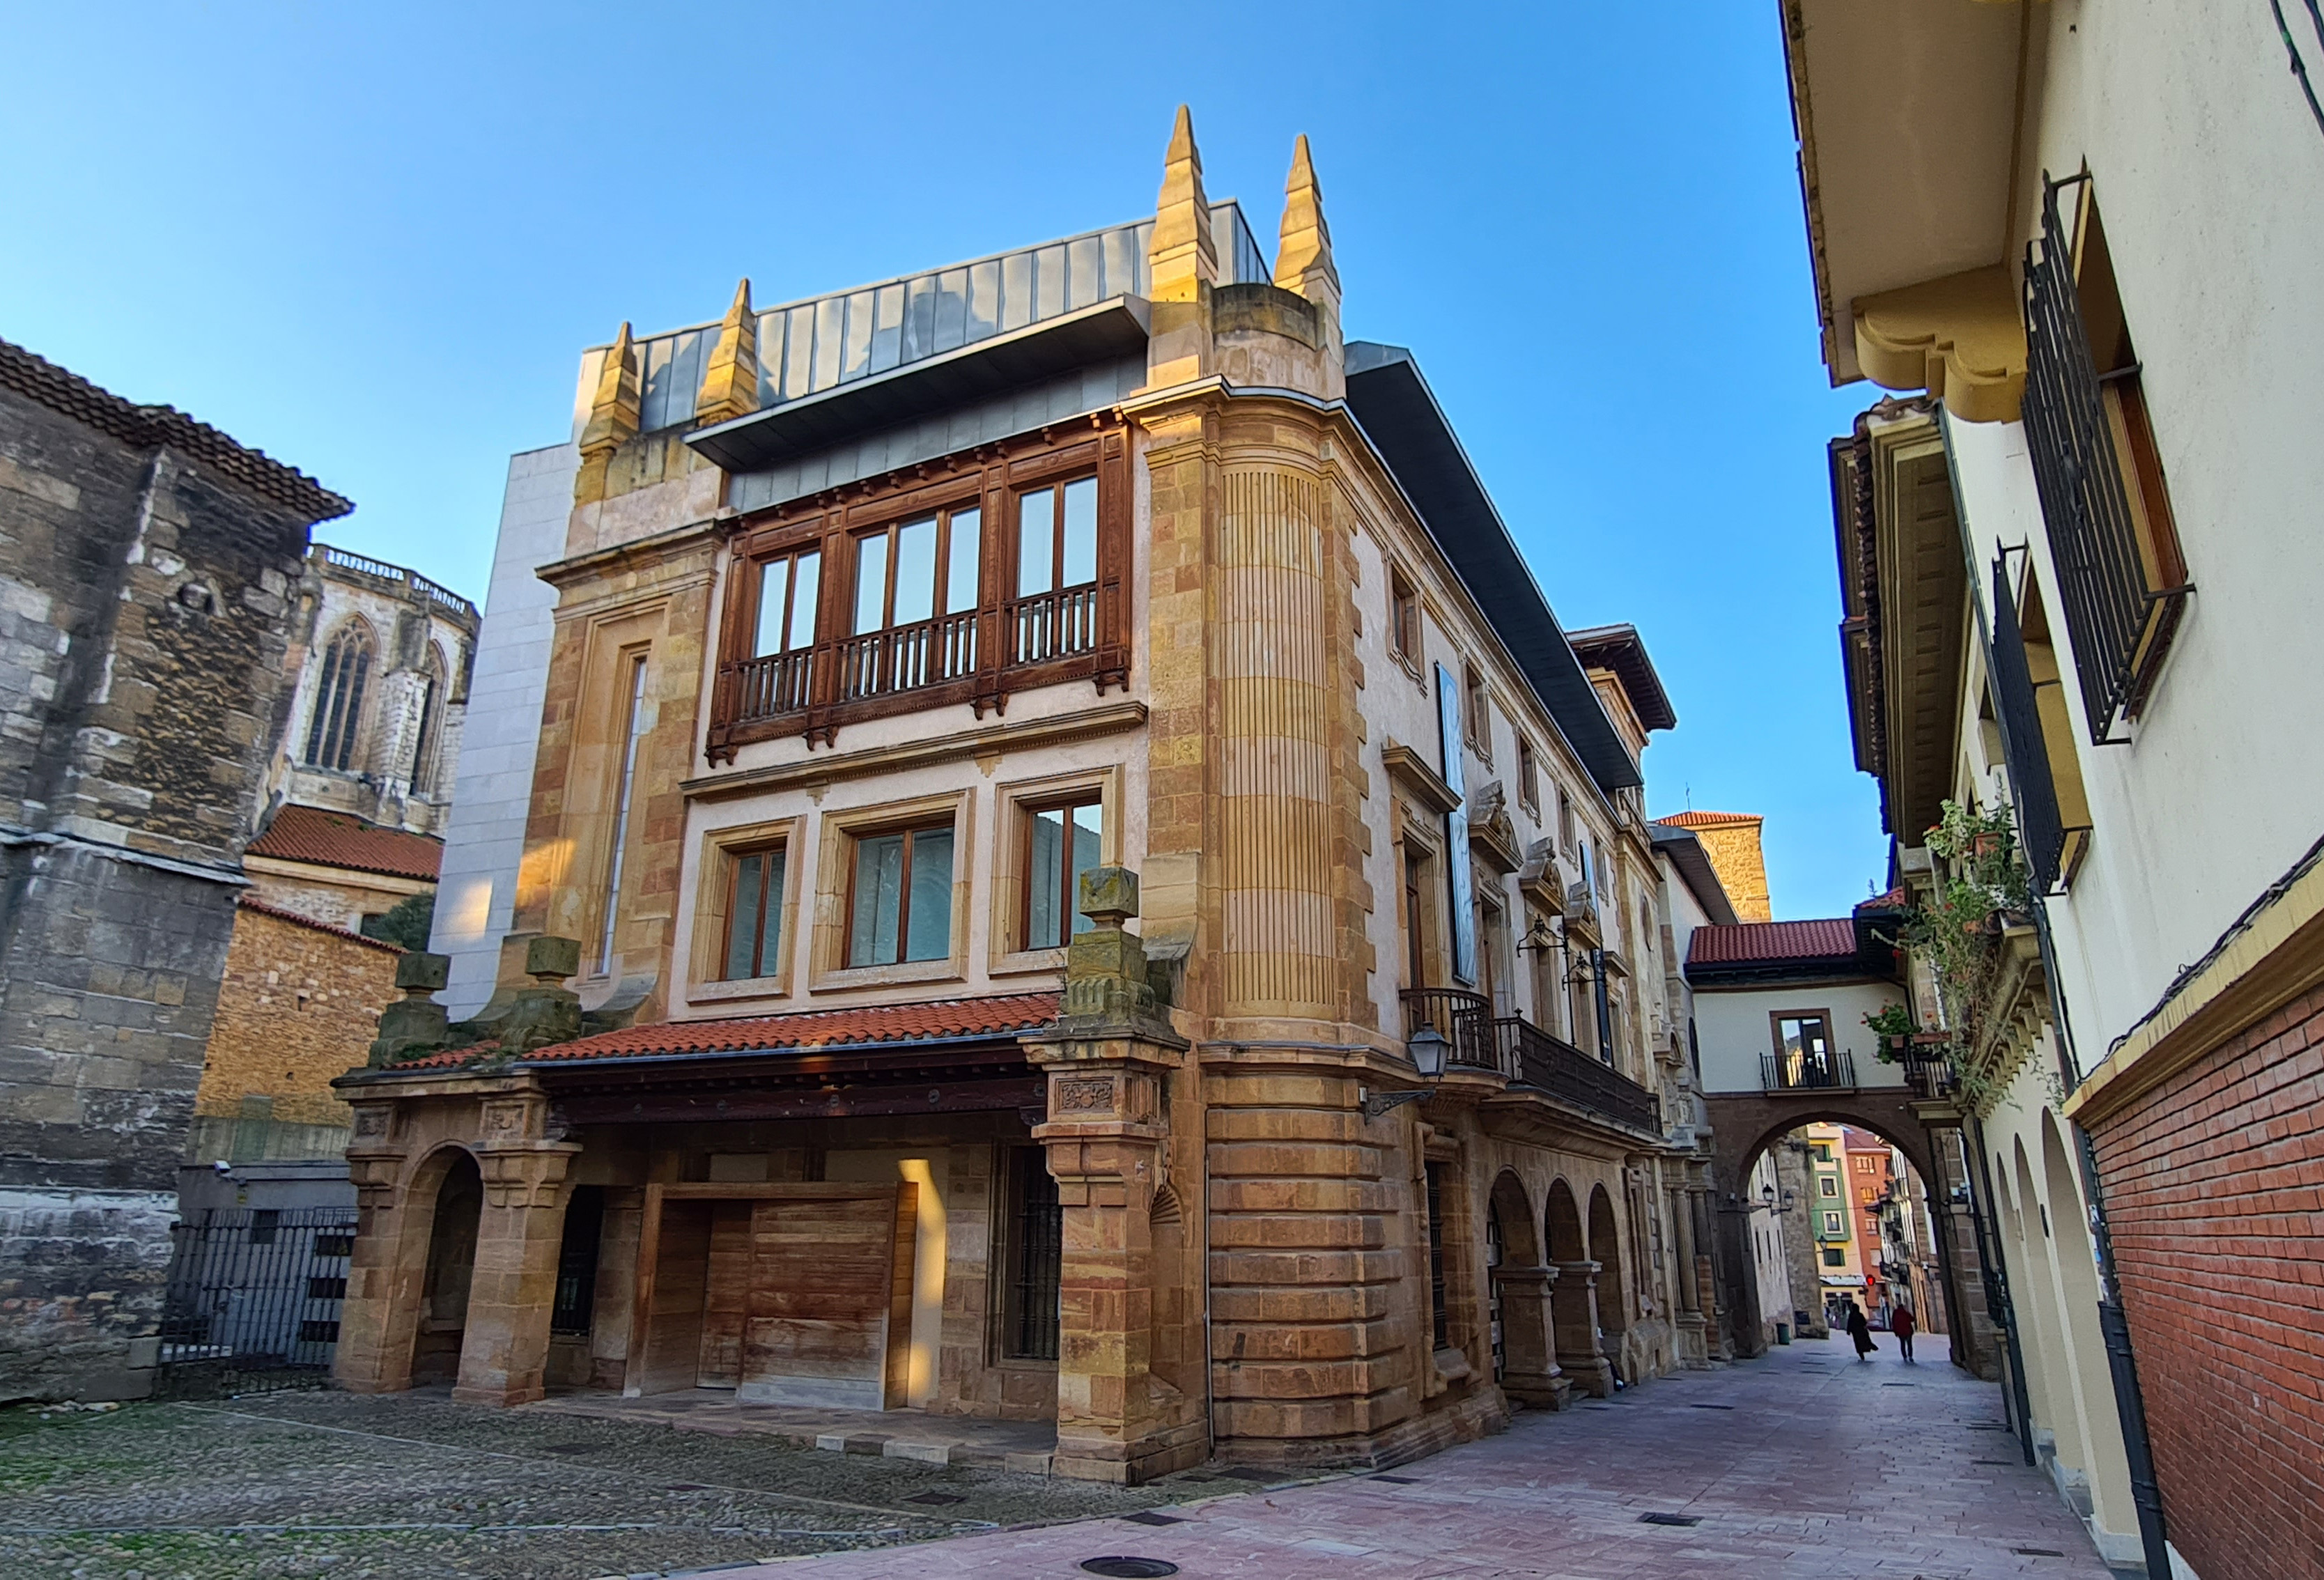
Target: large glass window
(917,569)
(1061,843)
(754,917)
(901,908)
(1056,571)
(332,734)
(786,597)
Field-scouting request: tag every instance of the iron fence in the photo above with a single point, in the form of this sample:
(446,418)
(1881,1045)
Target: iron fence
(1799,1071)
(253,1300)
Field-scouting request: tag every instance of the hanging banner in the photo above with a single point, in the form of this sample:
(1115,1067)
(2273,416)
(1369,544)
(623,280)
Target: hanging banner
(1456,831)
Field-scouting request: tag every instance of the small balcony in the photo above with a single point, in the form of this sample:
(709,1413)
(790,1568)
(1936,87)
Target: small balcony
(1799,1071)
(1515,1049)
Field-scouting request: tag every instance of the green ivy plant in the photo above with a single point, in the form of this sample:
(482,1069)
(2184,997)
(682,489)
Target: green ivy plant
(1956,931)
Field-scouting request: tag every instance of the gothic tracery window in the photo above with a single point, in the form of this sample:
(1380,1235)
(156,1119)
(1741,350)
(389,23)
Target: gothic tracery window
(338,724)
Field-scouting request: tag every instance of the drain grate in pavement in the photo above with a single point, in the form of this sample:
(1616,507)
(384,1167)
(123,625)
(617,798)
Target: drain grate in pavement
(1710,1406)
(933,1499)
(1251,1472)
(1151,1517)
(1121,1568)
(2037,1552)
(1398,1481)
(1597,1406)
(1659,1518)
(1900,1385)
(1993,1462)
(1987,1426)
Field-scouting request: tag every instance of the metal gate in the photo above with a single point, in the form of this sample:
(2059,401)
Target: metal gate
(253,1303)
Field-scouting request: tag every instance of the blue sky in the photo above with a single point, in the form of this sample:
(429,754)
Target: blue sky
(371,241)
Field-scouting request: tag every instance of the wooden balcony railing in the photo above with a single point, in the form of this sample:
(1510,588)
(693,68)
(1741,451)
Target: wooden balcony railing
(764,687)
(904,658)
(1534,1057)
(1054,625)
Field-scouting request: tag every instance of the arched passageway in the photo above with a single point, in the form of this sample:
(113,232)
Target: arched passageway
(1524,1352)
(1573,1298)
(451,1268)
(1745,1125)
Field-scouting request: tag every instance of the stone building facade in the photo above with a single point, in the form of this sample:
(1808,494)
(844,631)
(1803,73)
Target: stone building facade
(149,565)
(1035,759)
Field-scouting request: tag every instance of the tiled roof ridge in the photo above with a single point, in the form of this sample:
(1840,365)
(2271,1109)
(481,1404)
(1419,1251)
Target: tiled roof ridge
(1693,819)
(250,901)
(36,378)
(322,837)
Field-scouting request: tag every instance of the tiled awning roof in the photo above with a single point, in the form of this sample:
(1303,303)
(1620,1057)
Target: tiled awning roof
(872,1027)
(336,840)
(945,1018)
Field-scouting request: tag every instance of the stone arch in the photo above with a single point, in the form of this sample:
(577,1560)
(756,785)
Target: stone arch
(1605,1251)
(1573,1297)
(2032,1287)
(1745,1125)
(336,727)
(452,1187)
(1524,1348)
(2077,1282)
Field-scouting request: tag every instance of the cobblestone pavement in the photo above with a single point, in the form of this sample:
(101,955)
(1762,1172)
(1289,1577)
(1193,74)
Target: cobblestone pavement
(1804,1464)
(403,1486)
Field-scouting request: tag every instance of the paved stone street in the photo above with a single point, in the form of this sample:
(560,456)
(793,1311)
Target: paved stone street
(1804,1464)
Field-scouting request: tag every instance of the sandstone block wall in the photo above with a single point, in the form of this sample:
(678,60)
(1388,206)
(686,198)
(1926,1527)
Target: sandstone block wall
(297,1007)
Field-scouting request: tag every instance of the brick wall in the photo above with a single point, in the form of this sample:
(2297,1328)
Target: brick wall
(2215,1193)
(297,1006)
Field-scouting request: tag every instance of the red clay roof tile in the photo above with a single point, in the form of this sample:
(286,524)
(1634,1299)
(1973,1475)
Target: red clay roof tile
(902,1024)
(336,840)
(1773,942)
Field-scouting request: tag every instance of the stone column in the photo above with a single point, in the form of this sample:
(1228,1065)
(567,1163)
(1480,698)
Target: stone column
(1530,1369)
(504,1350)
(1694,1341)
(380,1312)
(1107,1136)
(1576,1308)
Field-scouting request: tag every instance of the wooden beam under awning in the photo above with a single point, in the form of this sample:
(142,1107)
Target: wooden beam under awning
(744,1102)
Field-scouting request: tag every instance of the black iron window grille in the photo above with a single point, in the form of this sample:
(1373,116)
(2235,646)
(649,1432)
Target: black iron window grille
(1036,1251)
(576,1260)
(1441,1319)
(2041,830)
(2121,597)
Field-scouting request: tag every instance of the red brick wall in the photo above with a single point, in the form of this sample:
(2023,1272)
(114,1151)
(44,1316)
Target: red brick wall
(2214,1193)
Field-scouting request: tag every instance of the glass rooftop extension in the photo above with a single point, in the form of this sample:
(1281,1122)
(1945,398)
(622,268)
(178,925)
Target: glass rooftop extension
(816,343)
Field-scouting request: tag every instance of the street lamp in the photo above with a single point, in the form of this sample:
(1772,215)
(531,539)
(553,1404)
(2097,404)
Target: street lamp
(1427,1049)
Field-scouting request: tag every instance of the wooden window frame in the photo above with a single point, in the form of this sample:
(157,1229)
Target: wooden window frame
(1011,868)
(719,855)
(1477,711)
(1528,777)
(835,859)
(992,479)
(909,835)
(1775,1019)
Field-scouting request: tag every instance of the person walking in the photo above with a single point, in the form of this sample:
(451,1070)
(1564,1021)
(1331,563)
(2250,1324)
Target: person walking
(1859,1328)
(1902,1324)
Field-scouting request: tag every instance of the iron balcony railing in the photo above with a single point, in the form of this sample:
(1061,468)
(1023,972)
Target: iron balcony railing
(1799,1071)
(1928,1071)
(2042,823)
(1463,1018)
(2120,624)
(1561,1070)
(1513,1047)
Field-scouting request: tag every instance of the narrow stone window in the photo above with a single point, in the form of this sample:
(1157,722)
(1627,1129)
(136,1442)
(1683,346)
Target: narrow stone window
(1036,1251)
(634,725)
(1441,1330)
(1528,777)
(901,909)
(1403,617)
(1480,713)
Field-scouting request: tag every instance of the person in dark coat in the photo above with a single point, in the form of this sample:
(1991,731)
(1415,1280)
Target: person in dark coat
(1903,1324)
(1858,1329)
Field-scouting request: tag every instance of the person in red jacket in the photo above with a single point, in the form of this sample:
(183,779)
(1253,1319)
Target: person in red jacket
(1902,1324)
